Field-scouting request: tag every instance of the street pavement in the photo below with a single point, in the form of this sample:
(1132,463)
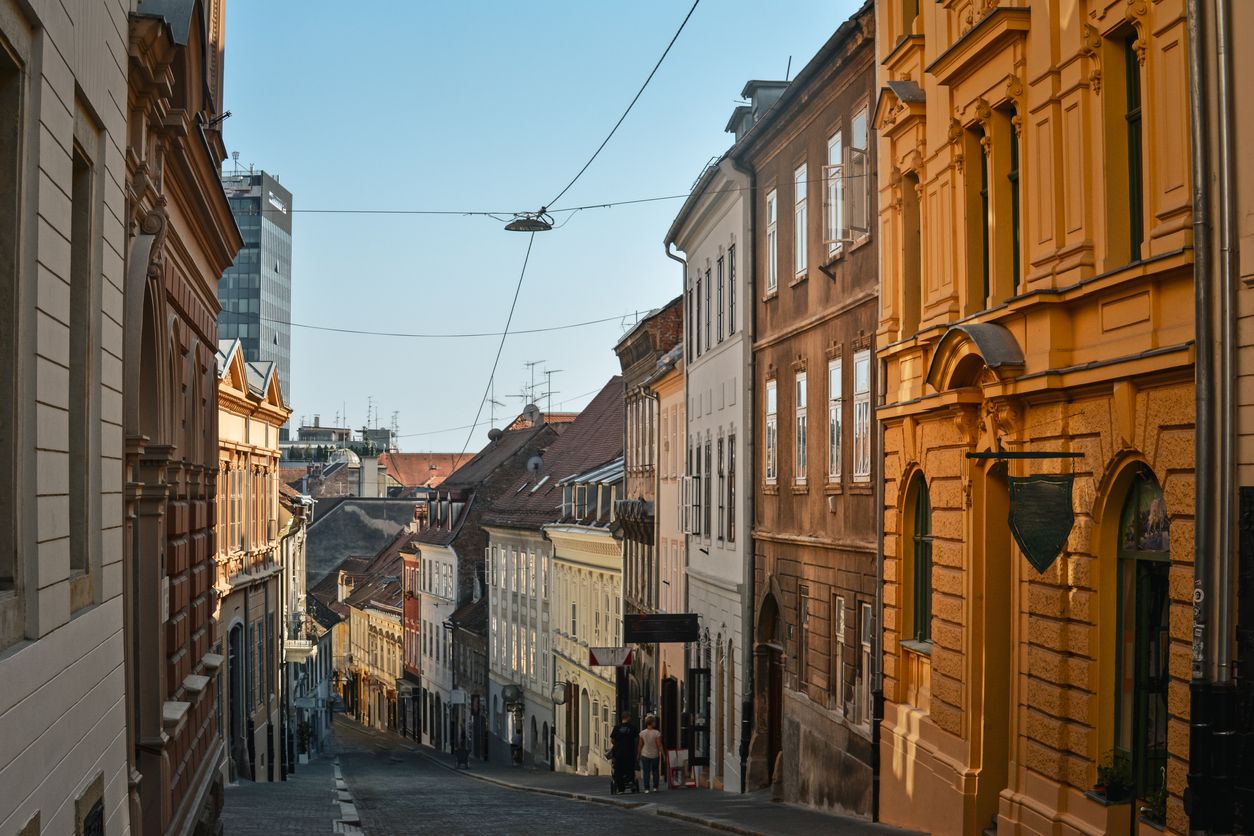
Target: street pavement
(392,786)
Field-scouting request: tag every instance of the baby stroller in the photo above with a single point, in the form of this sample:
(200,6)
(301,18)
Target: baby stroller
(623,778)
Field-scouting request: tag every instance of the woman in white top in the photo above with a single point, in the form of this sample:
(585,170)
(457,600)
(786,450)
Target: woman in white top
(649,749)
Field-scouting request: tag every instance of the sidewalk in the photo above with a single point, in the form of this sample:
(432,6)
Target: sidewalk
(751,814)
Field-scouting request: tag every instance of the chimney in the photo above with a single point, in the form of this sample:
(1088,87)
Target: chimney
(317,420)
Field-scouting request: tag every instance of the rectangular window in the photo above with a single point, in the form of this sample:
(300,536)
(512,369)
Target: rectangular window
(719,300)
(801,436)
(688,337)
(835,418)
(709,485)
(771,432)
(862,685)
(799,252)
(858,172)
(862,415)
(731,488)
(83,367)
(722,481)
(697,318)
(731,290)
(1012,176)
(772,244)
(11,130)
(834,197)
(1136,188)
(708,341)
(837,658)
(574,620)
(696,492)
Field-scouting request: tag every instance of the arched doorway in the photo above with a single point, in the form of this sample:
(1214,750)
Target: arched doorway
(236,749)
(1143,618)
(769,664)
(534,739)
(548,754)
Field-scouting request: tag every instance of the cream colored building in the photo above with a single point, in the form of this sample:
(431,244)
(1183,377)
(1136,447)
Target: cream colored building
(249,568)
(63,87)
(375,645)
(587,605)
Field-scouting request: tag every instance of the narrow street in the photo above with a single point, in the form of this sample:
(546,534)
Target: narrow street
(398,790)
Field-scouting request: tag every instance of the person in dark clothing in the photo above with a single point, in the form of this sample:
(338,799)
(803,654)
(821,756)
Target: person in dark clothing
(623,740)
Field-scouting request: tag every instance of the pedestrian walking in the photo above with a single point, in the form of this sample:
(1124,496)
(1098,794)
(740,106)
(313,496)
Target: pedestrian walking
(624,749)
(649,749)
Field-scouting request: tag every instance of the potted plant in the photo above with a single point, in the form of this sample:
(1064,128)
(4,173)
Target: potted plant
(1114,777)
(304,732)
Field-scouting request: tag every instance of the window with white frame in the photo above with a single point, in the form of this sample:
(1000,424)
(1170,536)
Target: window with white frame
(838,650)
(719,300)
(862,415)
(731,290)
(862,685)
(858,170)
(708,336)
(772,243)
(722,476)
(696,491)
(772,432)
(802,437)
(835,418)
(834,197)
(799,220)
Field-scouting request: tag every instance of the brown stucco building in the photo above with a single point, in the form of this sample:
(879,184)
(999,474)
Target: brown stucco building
(639,351)
(815,522)
(182,237)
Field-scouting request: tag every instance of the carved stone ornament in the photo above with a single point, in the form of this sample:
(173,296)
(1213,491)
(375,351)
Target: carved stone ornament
(1136,14)
(1091,49)
(967,421)
(983,113)
(955,130)
(156,222)
(1004,418)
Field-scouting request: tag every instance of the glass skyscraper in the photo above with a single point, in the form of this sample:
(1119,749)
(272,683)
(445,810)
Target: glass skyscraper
(256,291)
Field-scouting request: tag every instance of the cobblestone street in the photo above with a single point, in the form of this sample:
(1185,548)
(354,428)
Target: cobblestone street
(397,790)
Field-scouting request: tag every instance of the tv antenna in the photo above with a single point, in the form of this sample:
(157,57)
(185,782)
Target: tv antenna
(531,369)
(549,391)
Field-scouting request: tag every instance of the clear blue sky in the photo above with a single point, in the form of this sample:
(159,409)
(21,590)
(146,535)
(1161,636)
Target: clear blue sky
(483,106)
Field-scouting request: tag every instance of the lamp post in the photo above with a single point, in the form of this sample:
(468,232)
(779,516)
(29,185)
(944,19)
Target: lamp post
(558,695)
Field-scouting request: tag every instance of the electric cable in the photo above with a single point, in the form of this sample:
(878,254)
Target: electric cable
(636,98)
(468,335)
(500,346)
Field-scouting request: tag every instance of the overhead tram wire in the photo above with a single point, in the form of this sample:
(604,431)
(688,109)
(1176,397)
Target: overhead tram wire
(500,346)
(503,215)
(468,335)
(634,99)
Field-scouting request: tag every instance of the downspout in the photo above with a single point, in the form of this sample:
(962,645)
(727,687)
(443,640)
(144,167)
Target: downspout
(1204,439)
(748,600)
(683,295)
(1223,581)
(655,562)
(877,689)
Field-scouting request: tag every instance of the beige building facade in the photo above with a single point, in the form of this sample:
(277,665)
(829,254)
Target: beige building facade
(63,746)
(249,576)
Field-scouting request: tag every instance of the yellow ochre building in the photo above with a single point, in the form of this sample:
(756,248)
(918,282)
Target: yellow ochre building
(1037,298)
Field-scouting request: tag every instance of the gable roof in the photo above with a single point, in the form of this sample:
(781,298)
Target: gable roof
(594,439)
(418,470)
(496,453)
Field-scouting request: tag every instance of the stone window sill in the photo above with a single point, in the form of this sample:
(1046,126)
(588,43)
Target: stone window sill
(921,648)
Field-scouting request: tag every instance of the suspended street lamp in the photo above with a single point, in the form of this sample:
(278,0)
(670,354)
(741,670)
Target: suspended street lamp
(540,221)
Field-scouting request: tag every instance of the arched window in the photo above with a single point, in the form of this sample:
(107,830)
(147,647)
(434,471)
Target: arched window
(919,513)
(1144,637)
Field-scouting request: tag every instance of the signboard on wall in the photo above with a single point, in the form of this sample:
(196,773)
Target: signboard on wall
(660,628)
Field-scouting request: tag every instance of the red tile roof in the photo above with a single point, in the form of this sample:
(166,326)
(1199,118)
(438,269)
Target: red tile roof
(595,438)
(418,470)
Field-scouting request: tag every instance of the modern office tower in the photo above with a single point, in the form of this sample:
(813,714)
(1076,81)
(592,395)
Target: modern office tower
(256,291)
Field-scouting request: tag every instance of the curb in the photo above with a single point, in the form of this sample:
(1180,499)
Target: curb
(636,806)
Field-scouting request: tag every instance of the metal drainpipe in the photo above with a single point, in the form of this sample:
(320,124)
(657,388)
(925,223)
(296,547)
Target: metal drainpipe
(683,284)
(1204,439)
(877,692)
(749,390)
(1223,581)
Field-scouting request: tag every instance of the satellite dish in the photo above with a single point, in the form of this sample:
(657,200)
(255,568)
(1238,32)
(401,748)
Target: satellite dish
(535,464)
(532,413)
(495,434)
